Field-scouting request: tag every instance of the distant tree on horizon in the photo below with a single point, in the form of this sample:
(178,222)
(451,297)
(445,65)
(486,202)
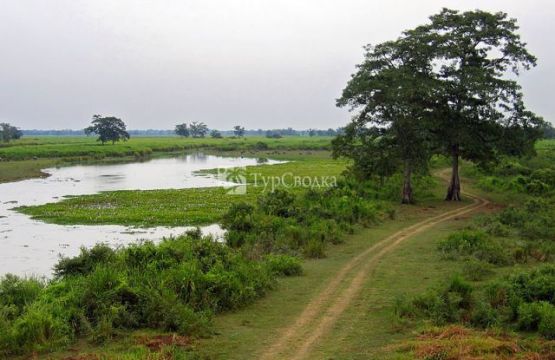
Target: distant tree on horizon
(215,134)
(182,130)
(239,131)
(108,128)
(198,129)
(9,132)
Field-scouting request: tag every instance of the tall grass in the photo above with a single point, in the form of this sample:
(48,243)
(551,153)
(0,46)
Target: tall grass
(175,286)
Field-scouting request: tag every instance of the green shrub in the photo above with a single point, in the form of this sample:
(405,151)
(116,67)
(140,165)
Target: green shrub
(18,292)
(314,248)
(284,265)
(474,243)
(476,270)
(174,286)
(278,203)
(448,303)
(484,315)
(529,315)
(463,242)
(544,175)
(537,187)
(239,217)
(537,316)
(546,326)
(85,261)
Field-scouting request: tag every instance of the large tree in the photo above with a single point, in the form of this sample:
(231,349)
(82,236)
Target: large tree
(390,91)
(478,109)
(108,128)
(198,129)
(9,132)
(182,130)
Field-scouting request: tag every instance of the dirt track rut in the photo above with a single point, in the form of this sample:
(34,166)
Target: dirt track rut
(297,340)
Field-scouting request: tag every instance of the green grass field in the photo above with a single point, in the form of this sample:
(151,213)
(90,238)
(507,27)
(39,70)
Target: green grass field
(88,147)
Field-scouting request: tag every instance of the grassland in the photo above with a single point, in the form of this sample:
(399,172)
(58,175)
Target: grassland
(366,328)
(19,170)
(88,148)
(370,327)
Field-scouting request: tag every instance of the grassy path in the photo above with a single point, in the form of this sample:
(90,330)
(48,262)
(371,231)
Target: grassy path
(324,310)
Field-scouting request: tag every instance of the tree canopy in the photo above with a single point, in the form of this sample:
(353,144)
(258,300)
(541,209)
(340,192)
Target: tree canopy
(182,130)
(9,132)
(480,113)
(198,129)
(108,129)
(215,134)
(390,91)
(444,88)
(239,131)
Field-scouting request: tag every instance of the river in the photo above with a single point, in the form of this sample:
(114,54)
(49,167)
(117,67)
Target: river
(29,247)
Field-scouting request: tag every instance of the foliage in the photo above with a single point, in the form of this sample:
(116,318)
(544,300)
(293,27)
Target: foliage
(284,265)
(474,243)
(239,131)
(391,128)
(9,132)
(198,129)
(523,299)
(182,130)
(174,286)
(298,222)
(215,134)
(108,129)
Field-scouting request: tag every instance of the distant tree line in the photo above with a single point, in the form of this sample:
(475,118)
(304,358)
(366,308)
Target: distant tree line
(225,133)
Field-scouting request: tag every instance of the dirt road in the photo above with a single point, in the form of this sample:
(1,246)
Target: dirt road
(297,340)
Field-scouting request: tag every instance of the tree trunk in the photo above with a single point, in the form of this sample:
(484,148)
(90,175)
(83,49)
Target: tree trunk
(407,187)
(454,189)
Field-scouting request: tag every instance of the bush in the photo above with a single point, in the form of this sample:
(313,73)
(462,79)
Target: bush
(314,248)
(463,242)
(484,315)
(85,261)
(448,303)
(298,222)
(260,146)
(18,292)
(474,243)
(529,315)
(476,270)
(546,326)
(537,316)
(284,265)
(174,286)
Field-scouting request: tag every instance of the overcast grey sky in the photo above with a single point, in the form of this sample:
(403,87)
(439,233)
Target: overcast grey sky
(262,64)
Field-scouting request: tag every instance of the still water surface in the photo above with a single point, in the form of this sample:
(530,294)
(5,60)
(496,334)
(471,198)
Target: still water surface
(30,247)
